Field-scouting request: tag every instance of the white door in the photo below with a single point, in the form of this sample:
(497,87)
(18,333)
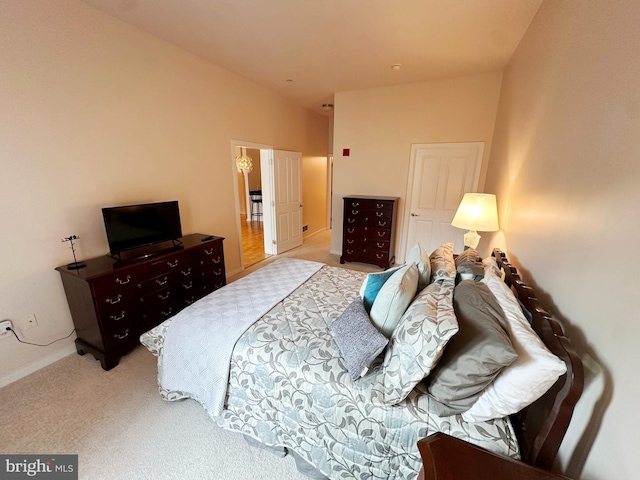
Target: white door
(288,199)
(439,176)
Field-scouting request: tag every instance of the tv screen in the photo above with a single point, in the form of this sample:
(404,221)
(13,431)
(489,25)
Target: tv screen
(135,226)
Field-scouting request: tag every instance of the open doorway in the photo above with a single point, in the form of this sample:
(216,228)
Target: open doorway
(250,202)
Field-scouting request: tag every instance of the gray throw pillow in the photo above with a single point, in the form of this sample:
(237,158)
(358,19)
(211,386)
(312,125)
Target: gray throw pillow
(475,355)
(358,340)
(469,265)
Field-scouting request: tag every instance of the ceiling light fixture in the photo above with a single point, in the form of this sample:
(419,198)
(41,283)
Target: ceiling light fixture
(327,107)
(244,163)
(395,67)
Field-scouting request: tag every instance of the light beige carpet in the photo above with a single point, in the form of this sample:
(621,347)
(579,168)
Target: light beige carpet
(120,427)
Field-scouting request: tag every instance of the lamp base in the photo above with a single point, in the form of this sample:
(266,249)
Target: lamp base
(471,239)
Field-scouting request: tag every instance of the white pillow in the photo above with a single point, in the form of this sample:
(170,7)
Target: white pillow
(491,268)
(393,299)
(420,257)
(534,371)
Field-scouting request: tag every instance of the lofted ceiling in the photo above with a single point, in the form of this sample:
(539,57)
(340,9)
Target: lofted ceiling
(307,50)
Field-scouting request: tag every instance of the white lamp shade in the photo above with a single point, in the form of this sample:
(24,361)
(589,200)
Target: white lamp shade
(477,212)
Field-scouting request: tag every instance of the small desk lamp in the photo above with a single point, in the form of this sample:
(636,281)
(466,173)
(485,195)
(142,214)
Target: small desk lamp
(477,211)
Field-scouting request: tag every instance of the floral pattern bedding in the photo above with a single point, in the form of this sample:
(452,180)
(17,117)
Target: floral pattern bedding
(288,386)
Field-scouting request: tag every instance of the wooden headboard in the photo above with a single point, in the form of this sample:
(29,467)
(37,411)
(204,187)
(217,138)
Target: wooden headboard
(542,425)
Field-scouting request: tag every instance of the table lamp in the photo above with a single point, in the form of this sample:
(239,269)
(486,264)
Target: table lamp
(477,211)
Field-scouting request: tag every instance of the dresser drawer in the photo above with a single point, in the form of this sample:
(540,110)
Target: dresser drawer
(118,298)
(211,283)
(114,318)
(377,234)
(120,280)
(159,305)
(170,263)
(375,256)
(119,336)
(378,245)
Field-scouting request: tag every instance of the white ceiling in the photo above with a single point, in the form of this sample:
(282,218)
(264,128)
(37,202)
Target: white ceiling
(309,49)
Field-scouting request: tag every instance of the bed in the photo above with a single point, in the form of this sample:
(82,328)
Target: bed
(268,356)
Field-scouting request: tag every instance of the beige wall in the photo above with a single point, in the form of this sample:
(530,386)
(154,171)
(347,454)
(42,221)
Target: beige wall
(314,194)
(379,125)
(565,165)
(97,113)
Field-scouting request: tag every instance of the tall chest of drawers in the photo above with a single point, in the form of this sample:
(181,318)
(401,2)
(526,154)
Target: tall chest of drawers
(113,302)
(369,230)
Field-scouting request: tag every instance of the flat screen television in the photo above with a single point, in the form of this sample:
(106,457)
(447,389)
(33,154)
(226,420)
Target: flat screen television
(134,226)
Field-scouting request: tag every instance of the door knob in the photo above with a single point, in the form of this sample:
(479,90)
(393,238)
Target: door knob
(414,214)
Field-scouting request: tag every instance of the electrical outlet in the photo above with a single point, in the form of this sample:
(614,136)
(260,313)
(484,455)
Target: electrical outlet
(3,328)
(30,321)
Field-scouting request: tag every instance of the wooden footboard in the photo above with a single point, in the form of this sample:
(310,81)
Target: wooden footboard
(449,458)
(540,427)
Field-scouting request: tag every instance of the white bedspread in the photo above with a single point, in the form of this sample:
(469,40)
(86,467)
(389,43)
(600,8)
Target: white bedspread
(200,339)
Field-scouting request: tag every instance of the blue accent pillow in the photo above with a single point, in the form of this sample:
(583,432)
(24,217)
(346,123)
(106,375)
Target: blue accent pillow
(372,285)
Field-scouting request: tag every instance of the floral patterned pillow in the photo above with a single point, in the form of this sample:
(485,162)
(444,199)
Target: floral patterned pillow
(443,266)
(418,341)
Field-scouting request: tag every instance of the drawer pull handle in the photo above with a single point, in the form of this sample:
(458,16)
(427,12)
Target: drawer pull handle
(123,282)
(162,282)
(208,252)
(172,265)
(382,234)
(187,286)
(167,313)
(381,223)
(354,212)
(218,272)
(351,220)
(189,301)
(113,302)
(349,251)
(120,337)
(351,230)
(379,214)
(379,205)
(350,242)
(217,260)
(379,256)
(356,204)
(186,272)
(380,244)
(164,297)
(118,317)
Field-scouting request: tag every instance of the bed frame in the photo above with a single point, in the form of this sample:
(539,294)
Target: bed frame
(541,426)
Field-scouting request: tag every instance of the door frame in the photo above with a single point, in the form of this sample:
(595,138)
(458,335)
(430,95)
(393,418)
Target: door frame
(415,147)
(267,194)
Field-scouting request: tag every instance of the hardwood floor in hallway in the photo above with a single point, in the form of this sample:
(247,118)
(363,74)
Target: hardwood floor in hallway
(252,241)
(316,247)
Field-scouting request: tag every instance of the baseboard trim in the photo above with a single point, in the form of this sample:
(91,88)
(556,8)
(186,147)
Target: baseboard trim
(304,237)
(34,367)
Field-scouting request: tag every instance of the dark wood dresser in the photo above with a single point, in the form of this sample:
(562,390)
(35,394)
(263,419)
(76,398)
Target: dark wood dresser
(369,230)
(113,302)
